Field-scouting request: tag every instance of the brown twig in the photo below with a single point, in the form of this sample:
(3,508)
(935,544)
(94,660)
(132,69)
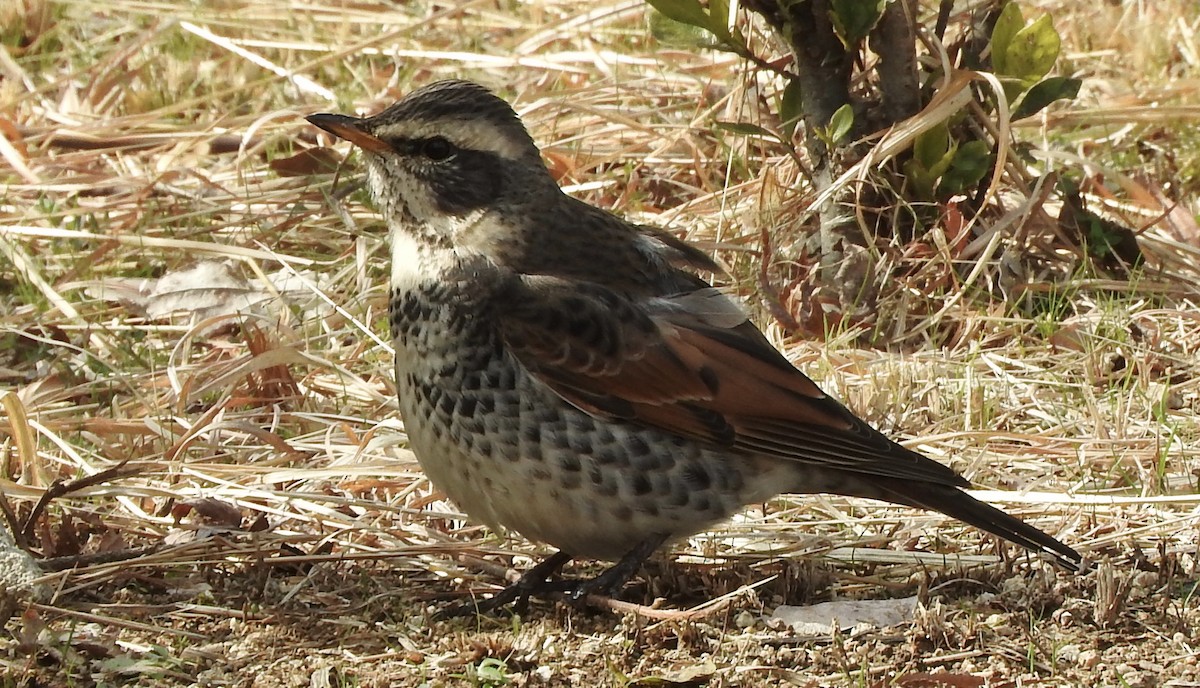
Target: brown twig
(770,295)
(59,488)
(64,563)
(648,612)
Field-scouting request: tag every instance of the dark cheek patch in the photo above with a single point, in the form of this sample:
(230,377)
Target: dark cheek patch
(466,182)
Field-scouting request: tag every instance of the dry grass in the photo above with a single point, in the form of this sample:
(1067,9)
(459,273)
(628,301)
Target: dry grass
(139,138)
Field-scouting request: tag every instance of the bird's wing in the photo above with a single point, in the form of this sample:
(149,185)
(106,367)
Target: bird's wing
(692,365)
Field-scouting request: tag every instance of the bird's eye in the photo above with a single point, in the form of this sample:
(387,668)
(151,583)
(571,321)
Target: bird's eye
(437,149)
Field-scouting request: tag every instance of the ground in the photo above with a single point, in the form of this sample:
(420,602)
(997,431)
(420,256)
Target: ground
(194,287)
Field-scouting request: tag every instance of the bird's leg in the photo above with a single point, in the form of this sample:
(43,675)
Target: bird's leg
(536,581)
(618,574)
(531,582)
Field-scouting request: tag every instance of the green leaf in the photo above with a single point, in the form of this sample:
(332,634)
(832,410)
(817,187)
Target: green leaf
(1045,92)
(931,147)
(971,161)
(942,166)
(718,19)
(1013,88)
(791,106)
(1008,24)
(1104,238)
(841,123)
(684,11)
(918,180)
(714,20)
(677,34)
(1033,50)
(854,19)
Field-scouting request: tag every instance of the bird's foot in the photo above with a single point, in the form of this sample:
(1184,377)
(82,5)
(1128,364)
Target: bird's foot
(611,579)
(536,581)
(532,582)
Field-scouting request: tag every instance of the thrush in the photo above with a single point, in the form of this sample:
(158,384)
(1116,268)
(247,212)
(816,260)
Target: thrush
(565,373)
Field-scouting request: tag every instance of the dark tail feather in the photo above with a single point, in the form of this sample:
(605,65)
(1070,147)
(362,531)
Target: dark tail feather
(958,504)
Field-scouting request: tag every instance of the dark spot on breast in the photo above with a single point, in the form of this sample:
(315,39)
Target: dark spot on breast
(696,477)
(636,446)
(641,485)
(466,407)
(605,456)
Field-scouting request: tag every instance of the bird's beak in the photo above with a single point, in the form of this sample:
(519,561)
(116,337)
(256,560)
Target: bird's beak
(351,129)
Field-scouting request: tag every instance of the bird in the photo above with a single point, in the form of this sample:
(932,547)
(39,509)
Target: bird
(569,375)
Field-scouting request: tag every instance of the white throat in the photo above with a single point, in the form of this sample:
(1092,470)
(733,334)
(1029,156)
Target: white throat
(415,263)
(411,262)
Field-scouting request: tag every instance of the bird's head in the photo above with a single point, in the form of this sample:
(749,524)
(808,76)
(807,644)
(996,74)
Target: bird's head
(443,156)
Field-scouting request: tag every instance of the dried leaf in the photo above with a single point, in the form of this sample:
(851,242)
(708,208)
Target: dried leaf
(29,630)
(66,539)
(205,290)
(307,162)
(939,680)
(111,541)
(690,676)
(818,619)
(561,167)
(212,511)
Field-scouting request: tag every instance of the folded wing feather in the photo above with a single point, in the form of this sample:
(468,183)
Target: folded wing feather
(691,365)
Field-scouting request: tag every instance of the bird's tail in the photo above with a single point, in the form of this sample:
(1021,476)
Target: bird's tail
(955,503)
